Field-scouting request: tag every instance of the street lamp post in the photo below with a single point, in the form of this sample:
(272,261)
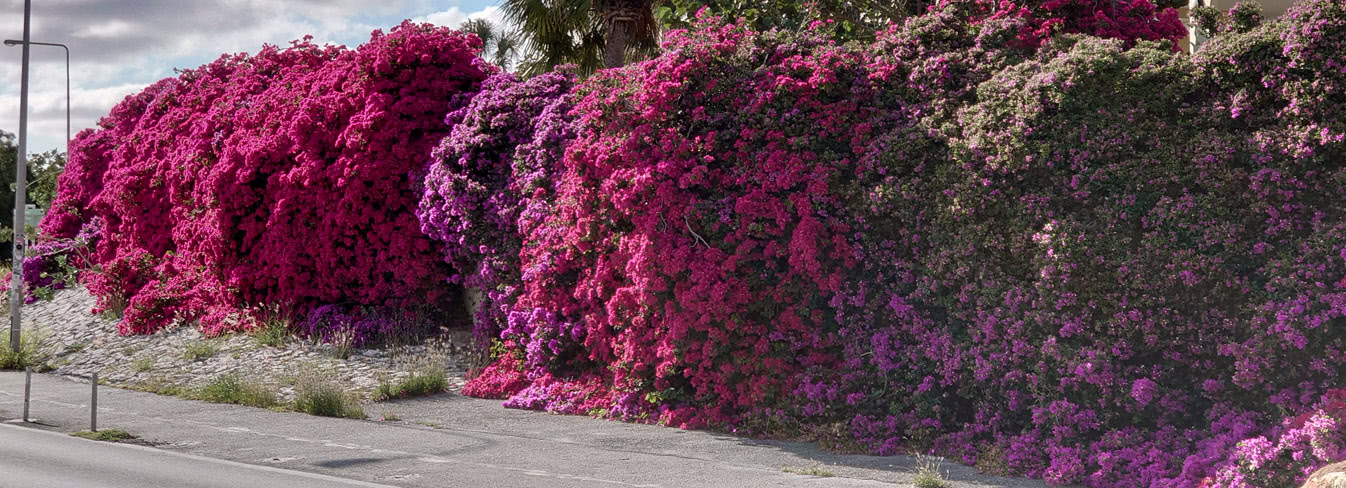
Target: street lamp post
(20,187)
(16,42)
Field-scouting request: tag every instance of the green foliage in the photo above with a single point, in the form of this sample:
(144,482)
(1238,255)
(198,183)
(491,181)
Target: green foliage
(501,47)
(1243,17)
(8,160)
(7,232)
(57,270)
(274,332)
(44,293)
(234,389)
(43,170)
(853,20)
(574,32)
(928,475)
(426,381)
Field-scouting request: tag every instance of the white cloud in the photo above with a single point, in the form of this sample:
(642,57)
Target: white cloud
(111,29)
(451,17)
(454,17)
(118,47)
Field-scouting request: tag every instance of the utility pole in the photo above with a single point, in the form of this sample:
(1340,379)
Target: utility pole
(20,188)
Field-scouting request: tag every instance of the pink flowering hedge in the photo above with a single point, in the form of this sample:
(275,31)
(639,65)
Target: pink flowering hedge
(1083,261)
(1089,260)
(283,178)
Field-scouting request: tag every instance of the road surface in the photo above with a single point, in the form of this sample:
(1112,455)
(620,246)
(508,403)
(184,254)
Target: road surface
(35,458)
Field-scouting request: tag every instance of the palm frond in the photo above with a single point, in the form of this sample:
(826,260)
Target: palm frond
(556,32)
(482,28)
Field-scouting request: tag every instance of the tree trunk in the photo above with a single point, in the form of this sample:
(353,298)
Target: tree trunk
(615,42)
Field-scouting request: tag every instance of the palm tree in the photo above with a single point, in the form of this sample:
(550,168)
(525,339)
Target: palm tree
(590,34)
(500,47)
(628,23)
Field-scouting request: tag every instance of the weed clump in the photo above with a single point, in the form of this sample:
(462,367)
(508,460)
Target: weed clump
(325,399)
(422,382)
(105,435)
(29,355)
(234,389)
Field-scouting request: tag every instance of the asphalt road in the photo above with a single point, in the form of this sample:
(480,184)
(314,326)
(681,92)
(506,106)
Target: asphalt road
(452,441)
(31,458)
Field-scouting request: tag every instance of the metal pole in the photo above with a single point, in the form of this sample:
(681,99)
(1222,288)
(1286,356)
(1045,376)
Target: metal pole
(93,405)
(27,390)
(20,188)
(67,101)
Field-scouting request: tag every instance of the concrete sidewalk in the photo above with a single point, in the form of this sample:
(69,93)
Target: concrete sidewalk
(449,440)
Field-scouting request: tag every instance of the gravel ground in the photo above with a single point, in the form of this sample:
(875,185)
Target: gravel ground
(79,343)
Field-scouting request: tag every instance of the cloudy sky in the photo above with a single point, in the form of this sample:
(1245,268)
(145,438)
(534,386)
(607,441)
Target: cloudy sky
(118,47)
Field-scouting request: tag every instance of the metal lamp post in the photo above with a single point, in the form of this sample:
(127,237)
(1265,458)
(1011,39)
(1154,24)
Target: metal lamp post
(20,188)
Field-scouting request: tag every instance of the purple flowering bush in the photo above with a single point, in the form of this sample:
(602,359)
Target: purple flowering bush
(490,178)
(54,263)
(1117,275)
(1085,262)
(355,326)
(1098,275)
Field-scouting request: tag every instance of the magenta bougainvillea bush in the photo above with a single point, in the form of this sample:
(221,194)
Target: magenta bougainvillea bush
(1091,261)
(282,178)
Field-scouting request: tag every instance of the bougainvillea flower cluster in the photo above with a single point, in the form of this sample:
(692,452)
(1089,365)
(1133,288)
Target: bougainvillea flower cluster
(1289,453)
(1040,20)
(284,177)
